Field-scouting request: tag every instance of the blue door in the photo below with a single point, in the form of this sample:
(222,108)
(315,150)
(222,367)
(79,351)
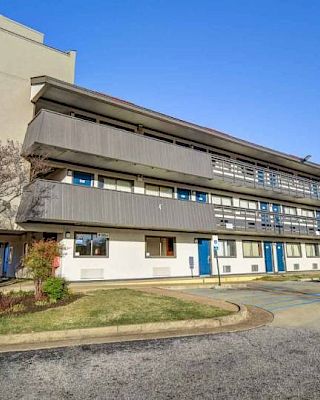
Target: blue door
(314,190)
(265,216)
(268,258)
(273,179)
(184,194)
(318,219)
(277,218)
(6,256)
(280,258)
(82,178)
(204,256)
(201,197)
(260,176)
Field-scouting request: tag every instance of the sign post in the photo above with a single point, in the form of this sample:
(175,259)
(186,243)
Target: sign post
(215,241)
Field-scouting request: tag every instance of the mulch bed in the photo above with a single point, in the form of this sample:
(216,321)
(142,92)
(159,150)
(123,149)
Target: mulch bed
(29,304)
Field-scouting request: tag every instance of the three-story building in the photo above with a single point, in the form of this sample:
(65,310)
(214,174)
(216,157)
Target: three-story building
(133,193)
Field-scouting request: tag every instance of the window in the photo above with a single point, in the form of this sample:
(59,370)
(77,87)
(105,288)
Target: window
(222,200)
(125,128)
(293,249)
(160,246)
(82,178)
(307,213)
(312,250)
(115,184)
(184,194)
(249,204)
(91,244)
(290,210)
(251,249)
(162,191)
(85,117)
(227,248)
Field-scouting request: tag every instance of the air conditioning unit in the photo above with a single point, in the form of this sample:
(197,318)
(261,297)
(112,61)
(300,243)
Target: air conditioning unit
(255,268)
(226,269)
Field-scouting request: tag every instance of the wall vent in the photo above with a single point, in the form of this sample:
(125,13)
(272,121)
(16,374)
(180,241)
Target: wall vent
(314,266)
(296,267)
(96,273)
(226,269)
(159,272)
(255,268)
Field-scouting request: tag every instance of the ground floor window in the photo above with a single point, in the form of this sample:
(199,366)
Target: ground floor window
(251,248)
(293,249)
(312,250)
(160,246)
(91,245)
(227,248)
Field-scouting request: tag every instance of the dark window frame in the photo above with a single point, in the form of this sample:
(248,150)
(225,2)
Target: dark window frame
(174,247)
(91,245)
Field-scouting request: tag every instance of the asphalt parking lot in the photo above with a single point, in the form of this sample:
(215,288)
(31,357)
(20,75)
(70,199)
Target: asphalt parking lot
(280,361)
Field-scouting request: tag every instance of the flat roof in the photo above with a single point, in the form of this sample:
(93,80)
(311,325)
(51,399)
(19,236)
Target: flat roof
(103,104)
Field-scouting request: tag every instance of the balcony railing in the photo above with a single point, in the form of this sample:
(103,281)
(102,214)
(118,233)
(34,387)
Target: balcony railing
(241,219)
(240,173)
(55,202)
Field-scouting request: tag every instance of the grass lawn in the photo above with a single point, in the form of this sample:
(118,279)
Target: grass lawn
(288,277)
(108,307)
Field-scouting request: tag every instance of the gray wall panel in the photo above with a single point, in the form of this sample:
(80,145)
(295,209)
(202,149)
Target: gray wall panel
(64,132)
(60,202)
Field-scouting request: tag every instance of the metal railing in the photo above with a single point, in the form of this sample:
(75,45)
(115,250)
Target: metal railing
(240,173)
(242,219)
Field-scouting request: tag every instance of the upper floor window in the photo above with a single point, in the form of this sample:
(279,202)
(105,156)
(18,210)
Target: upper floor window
(162,191)
(222,200)
(115,184)
(82,178)
(85,117)
(249,204)
(307,213)
(290,210)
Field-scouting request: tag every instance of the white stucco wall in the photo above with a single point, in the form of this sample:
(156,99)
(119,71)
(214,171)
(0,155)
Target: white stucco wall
(127,257)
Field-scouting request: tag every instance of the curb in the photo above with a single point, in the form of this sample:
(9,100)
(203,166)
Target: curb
(51,337)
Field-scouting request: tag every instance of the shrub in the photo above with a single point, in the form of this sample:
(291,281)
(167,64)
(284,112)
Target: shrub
(40,262)
(55,288)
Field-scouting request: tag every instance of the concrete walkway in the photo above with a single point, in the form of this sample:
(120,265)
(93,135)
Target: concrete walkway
(294,304)
(94,285)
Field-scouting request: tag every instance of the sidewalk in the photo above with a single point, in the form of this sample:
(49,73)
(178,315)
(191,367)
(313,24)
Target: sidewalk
(154,282)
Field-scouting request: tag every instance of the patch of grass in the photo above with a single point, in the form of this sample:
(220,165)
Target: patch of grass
(287,277)
(109,307)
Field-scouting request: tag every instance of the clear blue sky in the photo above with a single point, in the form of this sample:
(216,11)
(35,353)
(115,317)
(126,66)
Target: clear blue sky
(248,68)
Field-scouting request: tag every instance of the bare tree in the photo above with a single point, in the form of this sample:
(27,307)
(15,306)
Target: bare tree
(15,173)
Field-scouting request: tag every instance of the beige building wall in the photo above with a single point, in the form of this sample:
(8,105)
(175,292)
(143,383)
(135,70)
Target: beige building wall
(22,56)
